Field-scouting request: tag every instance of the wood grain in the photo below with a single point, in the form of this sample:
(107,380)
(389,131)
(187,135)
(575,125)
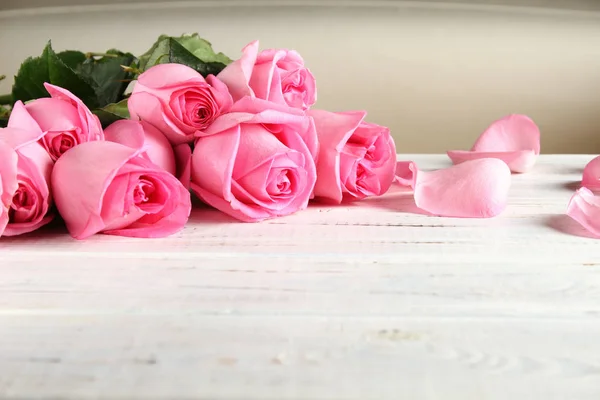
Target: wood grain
(366,301)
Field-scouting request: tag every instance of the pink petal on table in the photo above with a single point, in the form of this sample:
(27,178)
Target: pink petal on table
(584,207)
(406,173)
(473,189)
(591,175)
(514,139)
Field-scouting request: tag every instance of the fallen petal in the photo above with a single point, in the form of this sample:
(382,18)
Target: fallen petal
(584,207)
(517,161)
(406,173)
(514,139)
(591,175)
(473,189)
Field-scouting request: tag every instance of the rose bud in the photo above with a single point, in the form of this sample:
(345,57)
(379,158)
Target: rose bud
(25,170)
(277,75)
(64,119)
(254,163)
(108,187)
(178,101)
(357,159)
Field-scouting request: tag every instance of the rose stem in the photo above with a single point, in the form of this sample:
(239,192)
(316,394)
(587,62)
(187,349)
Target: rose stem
(91,54)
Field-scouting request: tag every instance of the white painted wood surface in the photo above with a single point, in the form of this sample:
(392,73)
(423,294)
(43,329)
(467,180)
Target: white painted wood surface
(351,302)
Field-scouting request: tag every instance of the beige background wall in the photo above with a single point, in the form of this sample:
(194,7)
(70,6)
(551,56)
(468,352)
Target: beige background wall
(435,73)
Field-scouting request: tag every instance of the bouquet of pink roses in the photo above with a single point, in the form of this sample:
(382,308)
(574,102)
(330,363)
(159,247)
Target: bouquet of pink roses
(117,144)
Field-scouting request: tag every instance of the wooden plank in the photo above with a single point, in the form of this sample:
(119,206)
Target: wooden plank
(276,357)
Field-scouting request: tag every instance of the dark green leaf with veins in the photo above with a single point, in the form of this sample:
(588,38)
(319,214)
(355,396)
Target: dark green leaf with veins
(112,112)
(96,82)
(106,75)
(189,50)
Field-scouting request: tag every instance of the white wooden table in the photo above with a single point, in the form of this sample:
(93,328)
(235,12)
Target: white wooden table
(352,302)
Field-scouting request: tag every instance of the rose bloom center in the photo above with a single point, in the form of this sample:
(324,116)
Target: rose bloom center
(63,142)
(143,191)
(281,183)
(22,202)
(203,114)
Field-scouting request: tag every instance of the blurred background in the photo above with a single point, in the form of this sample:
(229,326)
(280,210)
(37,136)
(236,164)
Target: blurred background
(436,72)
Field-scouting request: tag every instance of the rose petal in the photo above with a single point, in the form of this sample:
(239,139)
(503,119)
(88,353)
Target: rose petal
(473,189)
(22,119)
(162,76)
(213,160)
(237,74)
(17,138)
(591,175)
(140,135)
(333,130)
(257,111)
(145,106)
(406,173)
(253,110)
(127,132)
(517,161)
(220,93)
(8,181)
(584,207)
(54,115)
(183,164)
(92,123)
(265,80)
(514,139)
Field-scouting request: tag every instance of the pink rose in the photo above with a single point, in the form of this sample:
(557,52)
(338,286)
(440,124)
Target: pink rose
(178,101)
(65,120)
(25,170)
(276,75)
(357,159)
(256,162)
(107,187)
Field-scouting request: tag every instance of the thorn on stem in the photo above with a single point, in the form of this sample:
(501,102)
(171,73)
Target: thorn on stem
(131,69)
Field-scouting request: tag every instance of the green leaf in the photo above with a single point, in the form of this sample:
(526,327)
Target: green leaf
(190,50)
(97,82)
(106,75)
(112,112)
(71,58)
(202,49)
(4,116)
(2,77)
(29,81)
(5,99)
